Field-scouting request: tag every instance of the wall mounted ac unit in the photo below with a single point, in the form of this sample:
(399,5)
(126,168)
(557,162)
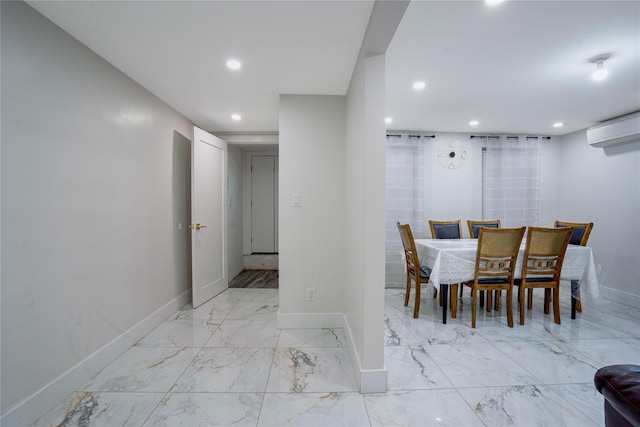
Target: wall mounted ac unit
(616,131)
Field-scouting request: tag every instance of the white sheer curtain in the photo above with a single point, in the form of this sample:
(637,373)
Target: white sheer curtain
(404,198)
(511,180)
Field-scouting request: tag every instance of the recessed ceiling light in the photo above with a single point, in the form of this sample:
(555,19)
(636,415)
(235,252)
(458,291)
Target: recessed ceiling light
(474,123)
(234,64)
(388,120)
(558,124)
(419,85)
(493,2)
(236,117)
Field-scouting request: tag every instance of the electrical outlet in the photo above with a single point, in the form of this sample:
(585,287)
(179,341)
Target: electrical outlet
(311,294)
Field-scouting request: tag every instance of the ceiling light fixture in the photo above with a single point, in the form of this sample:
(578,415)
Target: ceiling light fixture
(492,2)
(558,124)
(236,117)
(388,120)
(600,72)
(419,85)
(234,64)
(474,123)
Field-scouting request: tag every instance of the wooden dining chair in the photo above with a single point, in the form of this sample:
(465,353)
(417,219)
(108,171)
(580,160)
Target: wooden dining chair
(445,229)
(474,226)
(495,264)
(415,273)
(541,267)
(580,236)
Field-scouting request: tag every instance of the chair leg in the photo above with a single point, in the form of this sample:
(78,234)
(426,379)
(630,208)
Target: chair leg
(556,304)
(510,307)
(521,303)
(529,298)
(547,300)
(408,291)
(474,298)
(416,308)
(497,303)
(489,300)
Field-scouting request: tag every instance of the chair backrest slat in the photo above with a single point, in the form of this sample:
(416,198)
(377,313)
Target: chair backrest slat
(497,252)
(544,252)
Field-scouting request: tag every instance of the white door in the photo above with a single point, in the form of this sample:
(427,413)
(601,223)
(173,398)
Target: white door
(208,216)
(264,204)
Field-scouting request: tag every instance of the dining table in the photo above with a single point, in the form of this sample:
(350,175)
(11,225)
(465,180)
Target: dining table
(453,262)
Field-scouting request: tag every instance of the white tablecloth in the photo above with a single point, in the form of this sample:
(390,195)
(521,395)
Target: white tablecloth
(454,261)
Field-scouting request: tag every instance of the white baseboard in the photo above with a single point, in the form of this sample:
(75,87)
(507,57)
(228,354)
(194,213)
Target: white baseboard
(370,380)
(33,407)
(621,297)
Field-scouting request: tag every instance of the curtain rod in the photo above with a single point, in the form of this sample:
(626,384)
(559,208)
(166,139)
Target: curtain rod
(397,135)
(509,136)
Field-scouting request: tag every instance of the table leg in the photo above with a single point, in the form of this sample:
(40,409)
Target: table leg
(444,291)
(575,287)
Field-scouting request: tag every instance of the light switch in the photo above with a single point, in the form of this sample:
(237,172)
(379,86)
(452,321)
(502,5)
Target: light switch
(297,201)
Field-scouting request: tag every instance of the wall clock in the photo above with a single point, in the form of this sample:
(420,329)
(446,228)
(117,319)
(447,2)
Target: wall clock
(451,155)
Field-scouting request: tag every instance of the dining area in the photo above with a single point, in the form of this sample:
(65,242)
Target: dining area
(497,263)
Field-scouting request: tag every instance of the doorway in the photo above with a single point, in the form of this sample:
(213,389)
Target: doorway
(264,204)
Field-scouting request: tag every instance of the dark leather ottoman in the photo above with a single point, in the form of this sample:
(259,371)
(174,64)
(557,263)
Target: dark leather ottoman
(620,386)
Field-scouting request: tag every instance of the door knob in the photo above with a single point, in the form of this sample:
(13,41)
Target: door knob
(197,226)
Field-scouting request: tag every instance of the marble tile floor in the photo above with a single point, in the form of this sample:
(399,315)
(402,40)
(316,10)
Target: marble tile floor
(226,364)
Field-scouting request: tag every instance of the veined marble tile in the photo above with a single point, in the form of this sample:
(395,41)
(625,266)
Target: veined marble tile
(312,370)
(397,333)
(523,406)
(213,309)
(394,307)
(530,331)
(434,332)
(261,295)
(478,365)
(584,397)
(101,410)
(553,362)
(313,409)
(181,333)
(245,333)
(444,407)
(610,352)
(253,310)
(149,369)
(230,294)
(621,321)
(207,409)
(302,338)
(411,368)
(581,328)
(227,370)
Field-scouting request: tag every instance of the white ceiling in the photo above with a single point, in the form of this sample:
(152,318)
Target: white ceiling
(516,68)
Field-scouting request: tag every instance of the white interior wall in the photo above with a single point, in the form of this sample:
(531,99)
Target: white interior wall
(311,236)
(234,210)
(365,221)
(95,183)
(246,192)
(603,186)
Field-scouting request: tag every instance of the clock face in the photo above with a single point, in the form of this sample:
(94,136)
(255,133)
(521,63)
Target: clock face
(451,155)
